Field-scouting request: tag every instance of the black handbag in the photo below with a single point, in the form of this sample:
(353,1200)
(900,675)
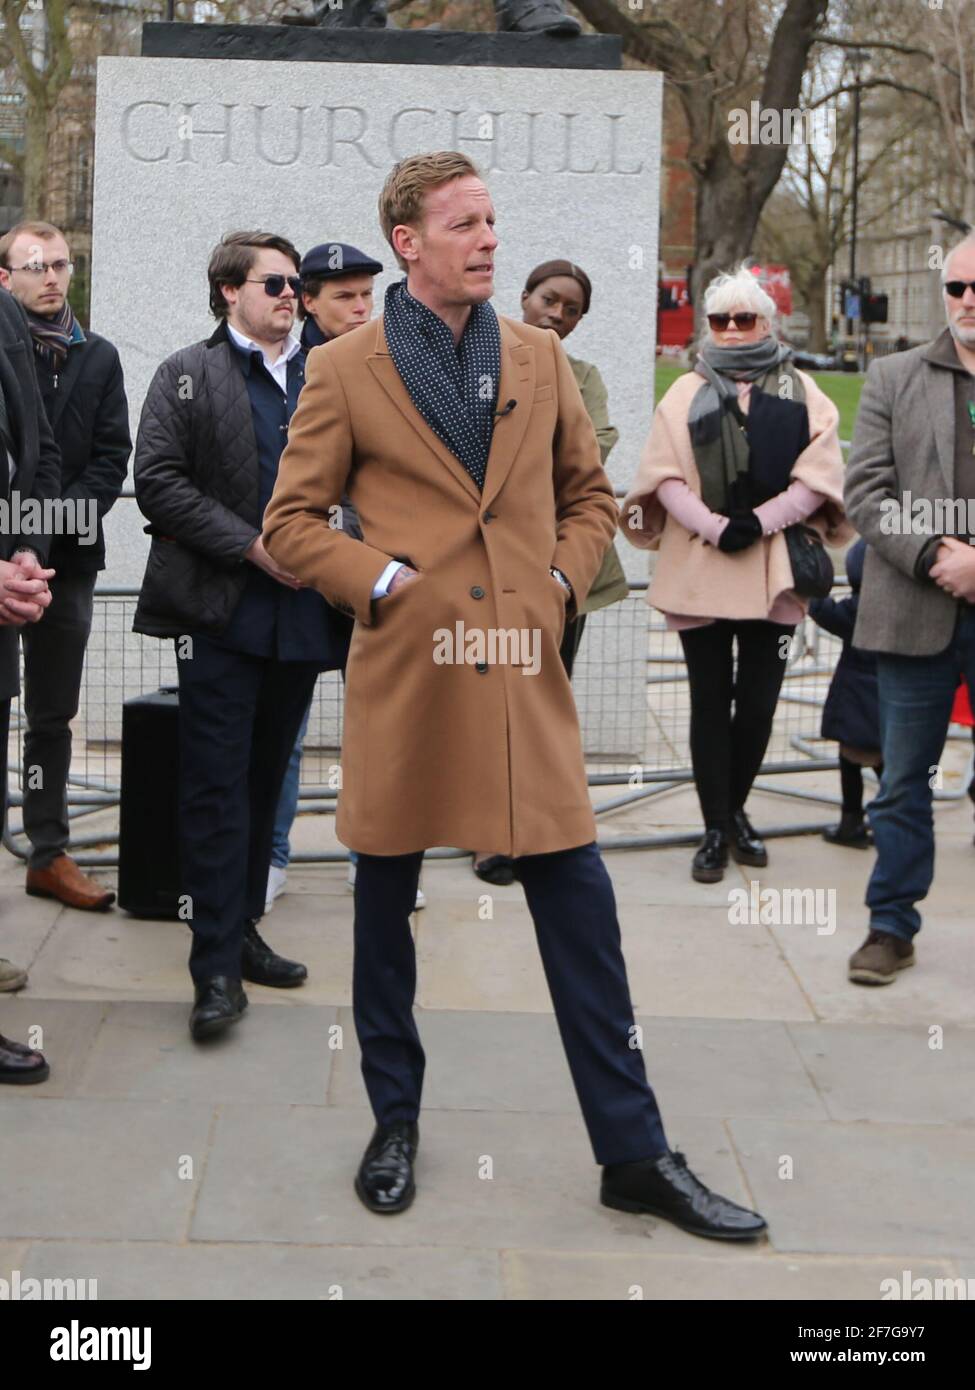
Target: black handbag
(812,569)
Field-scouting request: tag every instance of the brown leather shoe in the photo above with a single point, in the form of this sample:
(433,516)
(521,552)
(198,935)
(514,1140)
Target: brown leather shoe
(62,879)
(879,959)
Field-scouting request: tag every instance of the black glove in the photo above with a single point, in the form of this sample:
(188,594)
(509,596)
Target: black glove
(742,531)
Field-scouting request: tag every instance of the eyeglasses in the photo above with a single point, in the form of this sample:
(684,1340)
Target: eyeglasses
(956,288)
(721,321)
(42,267)
(274,284)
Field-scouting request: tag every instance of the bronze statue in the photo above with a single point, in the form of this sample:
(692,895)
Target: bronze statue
(512,16)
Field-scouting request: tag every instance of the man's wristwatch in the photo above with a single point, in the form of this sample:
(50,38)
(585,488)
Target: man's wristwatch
(557,574)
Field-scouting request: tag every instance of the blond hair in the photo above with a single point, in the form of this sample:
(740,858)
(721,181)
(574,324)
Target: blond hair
(408,183)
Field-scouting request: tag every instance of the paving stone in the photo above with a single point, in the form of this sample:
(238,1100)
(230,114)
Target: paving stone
(68,1030)
(891,1075)
(544,1275)
(147,1270)
(515,1062)
(297,1183)
(98,1169)
(862,1189)
(27,922)
(276,1054)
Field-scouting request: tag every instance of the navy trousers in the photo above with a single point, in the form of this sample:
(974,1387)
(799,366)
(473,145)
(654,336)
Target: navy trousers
(570,897)
(239,716)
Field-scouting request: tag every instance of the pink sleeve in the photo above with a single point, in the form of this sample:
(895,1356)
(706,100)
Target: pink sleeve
(786,508)
(687,508)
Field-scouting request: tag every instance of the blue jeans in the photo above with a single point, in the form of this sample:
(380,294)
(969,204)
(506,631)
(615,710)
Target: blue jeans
(916,696)
(288,801)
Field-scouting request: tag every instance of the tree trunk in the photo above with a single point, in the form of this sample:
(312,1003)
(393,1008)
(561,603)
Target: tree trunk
(35,160)
(726,213)
(815,296)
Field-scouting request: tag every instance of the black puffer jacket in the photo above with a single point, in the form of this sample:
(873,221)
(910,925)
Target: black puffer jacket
(196,480)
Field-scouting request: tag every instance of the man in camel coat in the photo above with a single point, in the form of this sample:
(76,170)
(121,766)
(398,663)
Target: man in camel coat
(463,442)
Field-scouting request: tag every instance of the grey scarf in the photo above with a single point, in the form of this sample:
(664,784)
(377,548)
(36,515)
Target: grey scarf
(719,442)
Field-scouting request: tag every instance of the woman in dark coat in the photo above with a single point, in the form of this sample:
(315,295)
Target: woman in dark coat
(851,715)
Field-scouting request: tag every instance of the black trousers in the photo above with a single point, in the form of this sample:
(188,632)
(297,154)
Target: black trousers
(54,658)
(571,640)
(570,897)
(732,710)
(239,717)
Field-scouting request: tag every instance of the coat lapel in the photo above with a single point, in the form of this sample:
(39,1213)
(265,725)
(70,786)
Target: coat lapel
(384,369)
(940,388)
(517,384)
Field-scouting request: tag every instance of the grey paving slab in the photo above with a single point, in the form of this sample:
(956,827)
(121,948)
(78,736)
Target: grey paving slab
(892,1075)
(515,1062)
(862,1189)
(276,1054)
(99,1169)
(297,1183)
(545,1275)
(27,922)
(939,988)
(13,1253)
(63,1029)
(197,1271)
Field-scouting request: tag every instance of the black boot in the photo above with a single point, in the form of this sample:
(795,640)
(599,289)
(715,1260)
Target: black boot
(852,831)
(220,1001)
(384,1181)
(535,17)
(711,858)
(666,1187)
(351,14)
(262,966)
(746,846)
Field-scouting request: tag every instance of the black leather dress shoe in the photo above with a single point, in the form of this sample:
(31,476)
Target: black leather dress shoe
(497,869)
(711,858)
(666,1187)
(746,846)
(220,1002)
(384,1181)
(262,966)
(21,1065)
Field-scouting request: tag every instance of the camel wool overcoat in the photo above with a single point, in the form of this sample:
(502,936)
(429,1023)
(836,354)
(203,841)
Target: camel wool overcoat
(460,726)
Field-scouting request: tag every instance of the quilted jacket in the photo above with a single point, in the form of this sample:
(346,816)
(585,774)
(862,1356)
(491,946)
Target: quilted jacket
(196,481)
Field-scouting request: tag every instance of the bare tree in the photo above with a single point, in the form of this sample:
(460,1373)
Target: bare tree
(43,76)
(718,58)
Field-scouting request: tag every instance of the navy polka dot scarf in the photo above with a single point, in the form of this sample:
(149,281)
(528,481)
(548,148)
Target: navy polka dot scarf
(455,389)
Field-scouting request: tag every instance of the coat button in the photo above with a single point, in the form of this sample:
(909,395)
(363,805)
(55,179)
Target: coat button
(481,668)
(488,516)
(477,591)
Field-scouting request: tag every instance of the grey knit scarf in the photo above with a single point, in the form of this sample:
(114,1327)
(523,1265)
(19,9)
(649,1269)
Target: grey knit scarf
(720,444)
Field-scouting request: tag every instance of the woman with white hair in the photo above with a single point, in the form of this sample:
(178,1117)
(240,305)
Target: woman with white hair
(741,448)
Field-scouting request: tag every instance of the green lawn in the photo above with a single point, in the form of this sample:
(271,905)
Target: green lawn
(843,388)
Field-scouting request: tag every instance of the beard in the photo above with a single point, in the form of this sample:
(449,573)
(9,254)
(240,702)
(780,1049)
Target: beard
(963,335)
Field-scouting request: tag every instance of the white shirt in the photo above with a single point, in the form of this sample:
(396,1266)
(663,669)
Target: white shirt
(279,367)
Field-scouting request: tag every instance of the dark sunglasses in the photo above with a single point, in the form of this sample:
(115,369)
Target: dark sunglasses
(274,284)
(956,288)
(721,321)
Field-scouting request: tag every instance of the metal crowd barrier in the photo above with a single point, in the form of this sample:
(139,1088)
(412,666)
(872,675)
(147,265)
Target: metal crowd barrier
(644,753)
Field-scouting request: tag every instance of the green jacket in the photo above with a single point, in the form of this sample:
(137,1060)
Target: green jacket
(610,584)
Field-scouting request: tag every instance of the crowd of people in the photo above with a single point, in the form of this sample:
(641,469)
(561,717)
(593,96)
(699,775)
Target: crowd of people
(327,501)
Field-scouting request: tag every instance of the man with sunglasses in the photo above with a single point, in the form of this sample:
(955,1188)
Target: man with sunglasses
(80,378)
(910,492)
(250,638)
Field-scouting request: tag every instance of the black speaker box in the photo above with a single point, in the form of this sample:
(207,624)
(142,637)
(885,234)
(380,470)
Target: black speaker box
(148,847)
